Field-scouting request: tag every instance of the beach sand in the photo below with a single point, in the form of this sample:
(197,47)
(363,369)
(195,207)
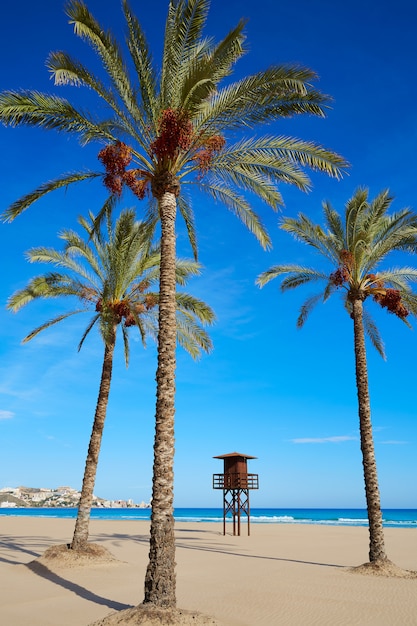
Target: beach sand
(289,574)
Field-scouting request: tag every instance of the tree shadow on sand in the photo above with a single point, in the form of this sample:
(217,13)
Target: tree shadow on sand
(385,568)
(214,547)
(18,548)
(41,570)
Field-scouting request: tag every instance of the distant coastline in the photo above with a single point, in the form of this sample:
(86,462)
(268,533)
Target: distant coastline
(61,497)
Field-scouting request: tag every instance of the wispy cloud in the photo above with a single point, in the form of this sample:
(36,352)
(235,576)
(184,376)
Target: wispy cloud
(393,442)
(337,439)
(6,415)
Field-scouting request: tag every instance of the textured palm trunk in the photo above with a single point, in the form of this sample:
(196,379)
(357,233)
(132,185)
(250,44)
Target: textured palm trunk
(80,538)
(373,500)
(160,575)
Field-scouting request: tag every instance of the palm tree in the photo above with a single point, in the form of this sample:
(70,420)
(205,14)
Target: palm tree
(172,127)
(114,276)
(356,247)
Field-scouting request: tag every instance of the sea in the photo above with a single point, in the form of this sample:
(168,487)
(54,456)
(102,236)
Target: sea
(394,518)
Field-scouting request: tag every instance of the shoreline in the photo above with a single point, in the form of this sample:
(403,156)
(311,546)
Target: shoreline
(283,574)
(392,518)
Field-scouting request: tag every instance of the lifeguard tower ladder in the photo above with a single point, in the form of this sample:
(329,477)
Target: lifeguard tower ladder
(236,483)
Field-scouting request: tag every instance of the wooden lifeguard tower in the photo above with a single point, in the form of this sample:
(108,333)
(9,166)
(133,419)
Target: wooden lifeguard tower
(236,483)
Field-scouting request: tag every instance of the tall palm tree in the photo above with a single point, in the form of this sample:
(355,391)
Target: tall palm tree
(114,273)
(356,246)
(167,128)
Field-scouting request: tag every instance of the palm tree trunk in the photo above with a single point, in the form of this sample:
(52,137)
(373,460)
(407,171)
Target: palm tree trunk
(373,500)
(160,575)
(80,538)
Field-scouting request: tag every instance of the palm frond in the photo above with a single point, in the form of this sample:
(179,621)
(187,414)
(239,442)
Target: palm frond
(198,308)
(253,160)
(377,209)
(104,213)
(307,307)
(151,217)
(63,259)
(23,203)
(398,275)
(126,345)
(86,27)
(372,332)
(238,205)
(302,277)
(410,301)
(274,152)
(255,179)
(142,60)
(279,91)
(184,269)
(192,337)
(68,71)
(32,108)
(226,53)
(184,24)
(201,74)
(392,232)
(334,224)
(48,324)
(184,206)
(298,275)
(303,229)
(87,330)
(354,212)
(51,285)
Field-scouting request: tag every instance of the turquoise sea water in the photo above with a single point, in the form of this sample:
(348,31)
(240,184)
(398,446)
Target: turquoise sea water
(399,518)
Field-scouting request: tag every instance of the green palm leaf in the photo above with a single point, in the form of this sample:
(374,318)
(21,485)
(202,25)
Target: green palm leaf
(373,334)
(33,108)
(307,307)
(23,203)
(142,59)
(239,207)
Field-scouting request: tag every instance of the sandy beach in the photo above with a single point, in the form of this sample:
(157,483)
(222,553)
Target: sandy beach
(282,574)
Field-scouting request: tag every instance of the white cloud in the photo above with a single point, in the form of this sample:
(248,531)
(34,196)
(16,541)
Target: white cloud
(6,415)
(393,442)
(338,439)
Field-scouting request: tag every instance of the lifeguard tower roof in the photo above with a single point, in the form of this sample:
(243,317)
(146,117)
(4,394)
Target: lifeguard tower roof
(231,454)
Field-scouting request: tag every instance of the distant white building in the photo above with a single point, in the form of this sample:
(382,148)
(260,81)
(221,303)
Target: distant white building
(41,495)
(66,491)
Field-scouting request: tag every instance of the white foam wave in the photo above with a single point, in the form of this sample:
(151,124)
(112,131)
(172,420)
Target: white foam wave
(272,518)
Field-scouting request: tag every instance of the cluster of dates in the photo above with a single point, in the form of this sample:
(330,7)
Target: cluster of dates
(391,299)
(205,155)
(115,158)
(385,297)
(175,135)
(123,310)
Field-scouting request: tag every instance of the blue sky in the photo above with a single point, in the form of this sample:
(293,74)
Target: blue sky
(269,390)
